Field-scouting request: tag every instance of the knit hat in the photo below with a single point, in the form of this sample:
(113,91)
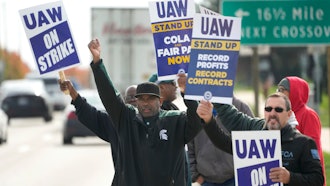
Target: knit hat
(285,83)
(154,78)
(147,88)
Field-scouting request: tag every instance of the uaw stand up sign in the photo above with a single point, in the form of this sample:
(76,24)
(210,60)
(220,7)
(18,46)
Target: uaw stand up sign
(213,60)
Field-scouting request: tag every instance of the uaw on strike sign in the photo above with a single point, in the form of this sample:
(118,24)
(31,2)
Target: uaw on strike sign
(47,29)
(255,153)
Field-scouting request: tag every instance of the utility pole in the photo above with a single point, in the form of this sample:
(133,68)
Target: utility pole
(255,77)
(328,68)
(3,33)
(2,30)
(213,5)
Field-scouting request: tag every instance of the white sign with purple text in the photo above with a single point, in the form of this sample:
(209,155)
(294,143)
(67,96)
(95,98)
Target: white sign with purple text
(255,153)
(47,28)
(214,56)
(171,25)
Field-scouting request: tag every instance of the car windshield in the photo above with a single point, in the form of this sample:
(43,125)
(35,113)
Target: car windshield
(92,98)
(50,81)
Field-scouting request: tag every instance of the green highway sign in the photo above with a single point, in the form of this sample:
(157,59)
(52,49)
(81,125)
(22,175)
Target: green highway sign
(281,22)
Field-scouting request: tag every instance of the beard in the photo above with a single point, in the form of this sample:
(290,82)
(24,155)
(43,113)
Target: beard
(273,123)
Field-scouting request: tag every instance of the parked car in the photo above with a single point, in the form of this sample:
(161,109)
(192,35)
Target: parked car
(3,127)
(58,98)
(72,126)
(25,98)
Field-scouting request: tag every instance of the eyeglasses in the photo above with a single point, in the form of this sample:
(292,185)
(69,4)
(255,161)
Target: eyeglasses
(281,89)
(277,109)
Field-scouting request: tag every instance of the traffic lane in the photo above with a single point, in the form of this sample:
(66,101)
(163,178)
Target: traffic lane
(34,155)
(84,165)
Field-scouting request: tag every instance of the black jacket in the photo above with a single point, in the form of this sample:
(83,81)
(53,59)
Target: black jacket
(299,152)
(147,155)
(208,161)
(99,122)
(167,105)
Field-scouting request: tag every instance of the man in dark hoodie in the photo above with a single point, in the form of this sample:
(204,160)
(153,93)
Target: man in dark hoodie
(297,90)
(168,93)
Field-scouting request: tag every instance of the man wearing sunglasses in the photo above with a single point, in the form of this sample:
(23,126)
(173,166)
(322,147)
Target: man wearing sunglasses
(302,167)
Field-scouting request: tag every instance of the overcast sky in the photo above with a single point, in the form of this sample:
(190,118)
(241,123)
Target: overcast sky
(12,34)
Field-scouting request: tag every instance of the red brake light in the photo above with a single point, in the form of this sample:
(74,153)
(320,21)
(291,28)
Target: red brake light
(72,115)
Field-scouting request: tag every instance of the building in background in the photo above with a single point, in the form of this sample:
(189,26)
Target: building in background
(128,50)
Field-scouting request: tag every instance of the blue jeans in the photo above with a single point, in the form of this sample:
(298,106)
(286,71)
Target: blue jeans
(230,182)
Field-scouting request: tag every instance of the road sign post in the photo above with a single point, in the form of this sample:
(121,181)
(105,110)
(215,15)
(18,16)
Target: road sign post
(281,22)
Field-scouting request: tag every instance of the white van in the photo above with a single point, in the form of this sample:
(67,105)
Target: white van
(58,98)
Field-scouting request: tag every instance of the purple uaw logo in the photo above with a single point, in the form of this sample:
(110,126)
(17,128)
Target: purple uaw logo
(257,174)
(208,95)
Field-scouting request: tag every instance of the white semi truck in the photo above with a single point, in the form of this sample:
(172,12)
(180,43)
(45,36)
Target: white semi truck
(127,43)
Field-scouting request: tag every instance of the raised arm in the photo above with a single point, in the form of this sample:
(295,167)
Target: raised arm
(97,121)
(218,136)
(233,119)
(193,124)
(95,49)
(110,97)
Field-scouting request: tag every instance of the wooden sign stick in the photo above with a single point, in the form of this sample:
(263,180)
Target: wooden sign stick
(62,78)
